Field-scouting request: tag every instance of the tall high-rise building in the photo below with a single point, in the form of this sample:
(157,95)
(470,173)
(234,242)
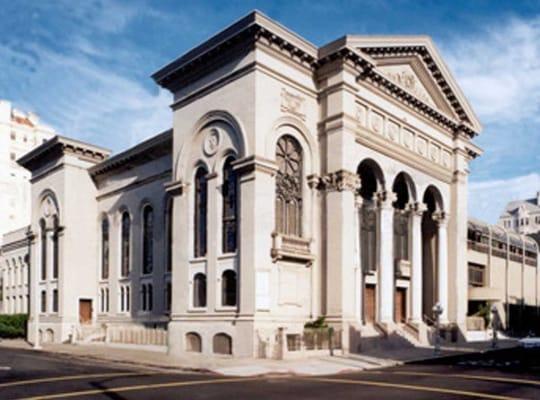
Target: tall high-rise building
(20,132)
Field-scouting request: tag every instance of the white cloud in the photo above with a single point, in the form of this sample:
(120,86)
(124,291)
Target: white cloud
(487,199)
(499,69)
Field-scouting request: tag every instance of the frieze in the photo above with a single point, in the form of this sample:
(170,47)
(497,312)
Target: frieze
(379,123)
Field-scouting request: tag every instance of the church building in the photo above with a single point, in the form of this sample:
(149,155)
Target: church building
(297,182)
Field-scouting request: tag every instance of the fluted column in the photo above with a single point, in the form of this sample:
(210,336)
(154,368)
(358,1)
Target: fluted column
(442,262)
(386,256)
(417,210)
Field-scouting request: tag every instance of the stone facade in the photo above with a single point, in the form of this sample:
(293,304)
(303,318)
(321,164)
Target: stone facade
(297,183)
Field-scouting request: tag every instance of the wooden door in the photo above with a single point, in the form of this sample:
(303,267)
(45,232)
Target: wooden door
(369,303)
(400,305)
(85,311)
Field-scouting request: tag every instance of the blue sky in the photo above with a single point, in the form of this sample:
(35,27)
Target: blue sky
(84,67)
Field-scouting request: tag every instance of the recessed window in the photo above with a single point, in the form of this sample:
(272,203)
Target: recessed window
(289,186)
(199,290)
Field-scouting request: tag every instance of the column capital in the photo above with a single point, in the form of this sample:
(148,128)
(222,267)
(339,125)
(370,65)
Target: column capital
(340,181)
(385,198)
(441,217)
(417,208)
(358,201)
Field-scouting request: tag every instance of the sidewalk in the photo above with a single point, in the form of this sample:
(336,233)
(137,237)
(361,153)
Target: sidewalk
(326,365)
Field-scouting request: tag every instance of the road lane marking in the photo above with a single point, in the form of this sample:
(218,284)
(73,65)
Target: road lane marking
(473,377)
(71,378)
(136,388)
(415,387)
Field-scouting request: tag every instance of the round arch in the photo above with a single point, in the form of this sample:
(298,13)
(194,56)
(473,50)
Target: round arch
(372,178)
(235,130)
(296,128)
(405,190)
(433,199)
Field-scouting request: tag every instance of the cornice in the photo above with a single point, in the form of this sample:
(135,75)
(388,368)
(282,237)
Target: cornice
(422,52)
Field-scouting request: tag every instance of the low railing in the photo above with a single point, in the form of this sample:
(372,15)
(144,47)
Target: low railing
(313,340)
(531,261)
(477,246)
(499,253)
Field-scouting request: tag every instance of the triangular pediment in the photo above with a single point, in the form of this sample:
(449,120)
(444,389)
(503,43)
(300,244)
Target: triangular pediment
(410,74)
(415,65)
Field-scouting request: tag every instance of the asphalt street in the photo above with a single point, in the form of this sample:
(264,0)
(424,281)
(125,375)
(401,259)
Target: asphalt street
(508,374)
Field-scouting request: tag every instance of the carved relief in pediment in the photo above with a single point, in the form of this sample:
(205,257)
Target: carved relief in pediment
(405,77)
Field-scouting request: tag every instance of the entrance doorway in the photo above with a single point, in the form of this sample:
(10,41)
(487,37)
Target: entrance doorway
(400,305)
(85,311)
(369,303)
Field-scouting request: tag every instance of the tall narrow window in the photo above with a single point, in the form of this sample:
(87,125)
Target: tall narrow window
(56,249)
(199,290)
(104,248)
(168,296)
(289,186)
(150,294)
(43,301)
(148,240)
(201,206)
(143,298)
(122,299)
(228,288)
(169,222)
(43,249)
(128,298)
(230,208)
(126,227)
(55,300)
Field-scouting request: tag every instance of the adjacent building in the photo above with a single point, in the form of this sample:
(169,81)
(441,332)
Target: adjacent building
(297,182)
(522,216)
(19,133)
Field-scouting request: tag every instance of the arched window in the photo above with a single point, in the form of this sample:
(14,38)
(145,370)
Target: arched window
(199,290)
(43,234)
(222,344)
(168,224)
(56,249)
(126,228)
(230,208)
(289,186)
(104,248)
(228,288)
(201,205)
(193,342)
(148,240)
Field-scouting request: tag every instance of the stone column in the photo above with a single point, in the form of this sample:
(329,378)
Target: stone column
(417,210)
(442,263)
(386,256)
(358,273)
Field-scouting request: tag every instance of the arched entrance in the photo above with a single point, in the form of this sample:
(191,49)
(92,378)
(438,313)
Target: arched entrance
(372,181)
(433,201)
(405,192)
